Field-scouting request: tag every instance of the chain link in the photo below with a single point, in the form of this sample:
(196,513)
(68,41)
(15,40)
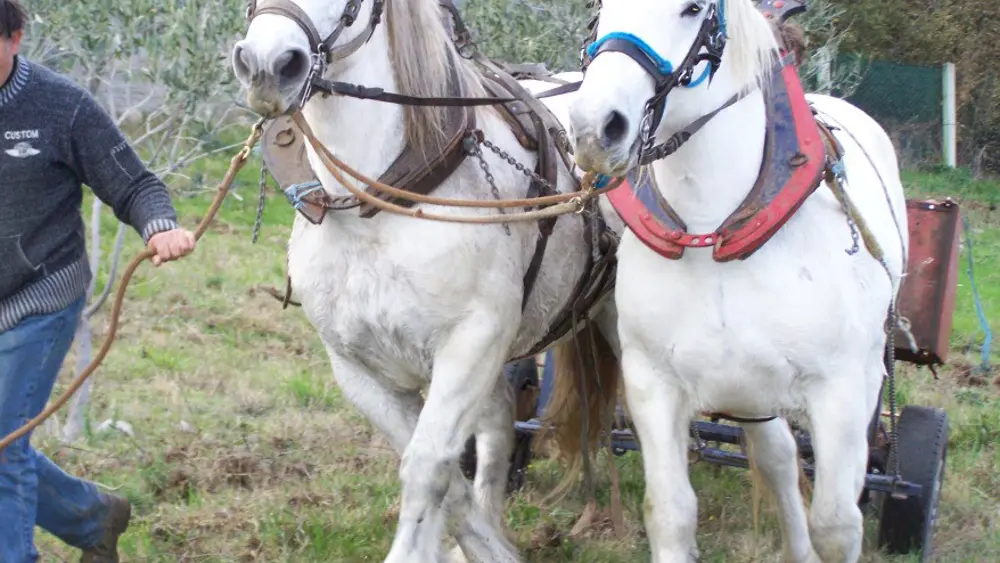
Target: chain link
(260,203)
(699,444)
(838,174)
(491,181)
(517,165)
(890,368)
(890,355)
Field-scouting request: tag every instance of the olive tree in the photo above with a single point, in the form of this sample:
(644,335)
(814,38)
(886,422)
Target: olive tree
(159,68)
(823,70)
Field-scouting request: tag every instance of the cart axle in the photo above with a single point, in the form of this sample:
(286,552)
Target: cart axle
(622,440)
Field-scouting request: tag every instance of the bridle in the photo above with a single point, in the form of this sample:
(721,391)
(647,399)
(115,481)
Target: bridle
(323,52)
(708,46)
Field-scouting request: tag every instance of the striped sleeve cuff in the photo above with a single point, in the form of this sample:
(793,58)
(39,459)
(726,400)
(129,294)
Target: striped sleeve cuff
(157,226)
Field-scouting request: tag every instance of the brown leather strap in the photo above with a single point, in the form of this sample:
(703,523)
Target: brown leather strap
(362,92)
(596,280)
(319,46)
(413,172)
(291,11)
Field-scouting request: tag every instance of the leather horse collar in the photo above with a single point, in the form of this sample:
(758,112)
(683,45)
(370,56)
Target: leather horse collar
(711,37)
(323,50)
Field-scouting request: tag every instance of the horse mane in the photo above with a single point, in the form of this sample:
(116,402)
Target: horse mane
(752,44)
(422,54)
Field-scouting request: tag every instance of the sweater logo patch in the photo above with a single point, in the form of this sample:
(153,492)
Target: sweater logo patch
(22,150)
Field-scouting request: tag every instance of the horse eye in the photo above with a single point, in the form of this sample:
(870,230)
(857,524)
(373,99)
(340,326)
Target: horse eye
(692,10)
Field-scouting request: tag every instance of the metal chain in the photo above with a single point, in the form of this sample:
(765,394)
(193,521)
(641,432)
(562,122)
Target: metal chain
(891,376)
(517,165)
(260,203)
(699,444)
(478,153)
(837,168)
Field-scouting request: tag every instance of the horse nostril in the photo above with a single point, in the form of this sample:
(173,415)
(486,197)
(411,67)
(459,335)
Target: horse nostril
(241,63)
(291,65)
(615,127)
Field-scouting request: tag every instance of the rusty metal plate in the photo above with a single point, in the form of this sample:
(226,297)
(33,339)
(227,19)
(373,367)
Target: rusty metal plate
(284,152)
(927,295)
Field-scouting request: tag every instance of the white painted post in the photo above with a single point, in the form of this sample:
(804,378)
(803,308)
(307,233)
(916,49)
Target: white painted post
(949,138)
(824,71)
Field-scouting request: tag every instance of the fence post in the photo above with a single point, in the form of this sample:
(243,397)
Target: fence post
(949,139)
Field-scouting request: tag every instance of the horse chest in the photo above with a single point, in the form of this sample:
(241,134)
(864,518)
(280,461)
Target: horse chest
(380,300)
(363,304)
(716,326)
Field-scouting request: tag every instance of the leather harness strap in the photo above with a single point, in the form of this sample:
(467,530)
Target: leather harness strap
(322,47)
(413,172)
(293,12)
(531,122)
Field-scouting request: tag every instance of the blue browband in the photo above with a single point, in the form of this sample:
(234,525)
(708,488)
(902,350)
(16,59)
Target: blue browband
(663,66)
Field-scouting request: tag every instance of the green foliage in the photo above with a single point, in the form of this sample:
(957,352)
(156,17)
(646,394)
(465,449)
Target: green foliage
(519,31)
(933,32)
(824,70)
(159,67)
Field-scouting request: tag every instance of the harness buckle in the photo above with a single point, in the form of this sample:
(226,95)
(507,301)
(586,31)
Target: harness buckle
(350,12)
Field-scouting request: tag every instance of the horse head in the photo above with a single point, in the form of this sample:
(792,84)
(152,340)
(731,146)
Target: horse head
(291,43)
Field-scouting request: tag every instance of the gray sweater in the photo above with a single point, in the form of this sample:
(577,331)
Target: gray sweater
(54,138)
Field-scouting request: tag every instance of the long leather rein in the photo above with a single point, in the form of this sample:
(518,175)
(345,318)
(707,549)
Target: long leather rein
(324,51)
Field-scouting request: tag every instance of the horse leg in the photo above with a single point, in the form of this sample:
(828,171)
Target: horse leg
(494,444)
(394,413)
(661,414)
(391,410)
(466,370)
(839,423)
(773,451)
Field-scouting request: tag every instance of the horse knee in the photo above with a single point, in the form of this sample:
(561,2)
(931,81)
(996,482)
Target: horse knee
(836,535)
(422,472)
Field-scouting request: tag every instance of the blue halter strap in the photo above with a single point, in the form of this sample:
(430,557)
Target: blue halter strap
(658,67)
(707,47)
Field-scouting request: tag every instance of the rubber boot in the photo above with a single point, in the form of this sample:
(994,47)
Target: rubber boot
(106,551)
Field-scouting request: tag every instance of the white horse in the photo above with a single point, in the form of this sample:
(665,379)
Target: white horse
(407,306)
(797,329)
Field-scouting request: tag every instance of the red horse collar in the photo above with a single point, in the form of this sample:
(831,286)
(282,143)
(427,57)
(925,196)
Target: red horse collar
(791,171)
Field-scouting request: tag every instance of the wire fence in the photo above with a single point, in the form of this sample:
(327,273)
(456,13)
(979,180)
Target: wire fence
(907,100)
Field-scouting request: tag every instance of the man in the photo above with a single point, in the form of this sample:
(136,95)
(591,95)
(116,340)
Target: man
(53,138)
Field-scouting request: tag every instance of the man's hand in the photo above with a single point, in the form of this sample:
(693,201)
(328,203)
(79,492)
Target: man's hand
(171,245)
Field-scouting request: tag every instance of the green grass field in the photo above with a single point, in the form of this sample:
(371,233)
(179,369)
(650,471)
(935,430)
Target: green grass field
(244,450)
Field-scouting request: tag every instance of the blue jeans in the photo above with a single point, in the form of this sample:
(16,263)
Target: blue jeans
(33,490)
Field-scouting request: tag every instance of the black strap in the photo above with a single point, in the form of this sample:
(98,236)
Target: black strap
(671,145)
(378,94)
(741,420)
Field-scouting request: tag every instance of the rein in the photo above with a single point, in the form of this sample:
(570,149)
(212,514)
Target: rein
(561,204)
(325,52)
(362,92)
(235,165)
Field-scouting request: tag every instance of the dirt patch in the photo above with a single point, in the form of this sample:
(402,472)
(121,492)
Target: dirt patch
(971,376)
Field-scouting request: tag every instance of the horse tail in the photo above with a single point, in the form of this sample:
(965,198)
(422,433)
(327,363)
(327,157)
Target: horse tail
(583,400)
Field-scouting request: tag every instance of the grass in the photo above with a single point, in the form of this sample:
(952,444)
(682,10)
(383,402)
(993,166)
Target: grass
(244,449)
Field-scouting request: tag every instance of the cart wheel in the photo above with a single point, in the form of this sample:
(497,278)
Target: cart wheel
(907,526)
(525,384)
